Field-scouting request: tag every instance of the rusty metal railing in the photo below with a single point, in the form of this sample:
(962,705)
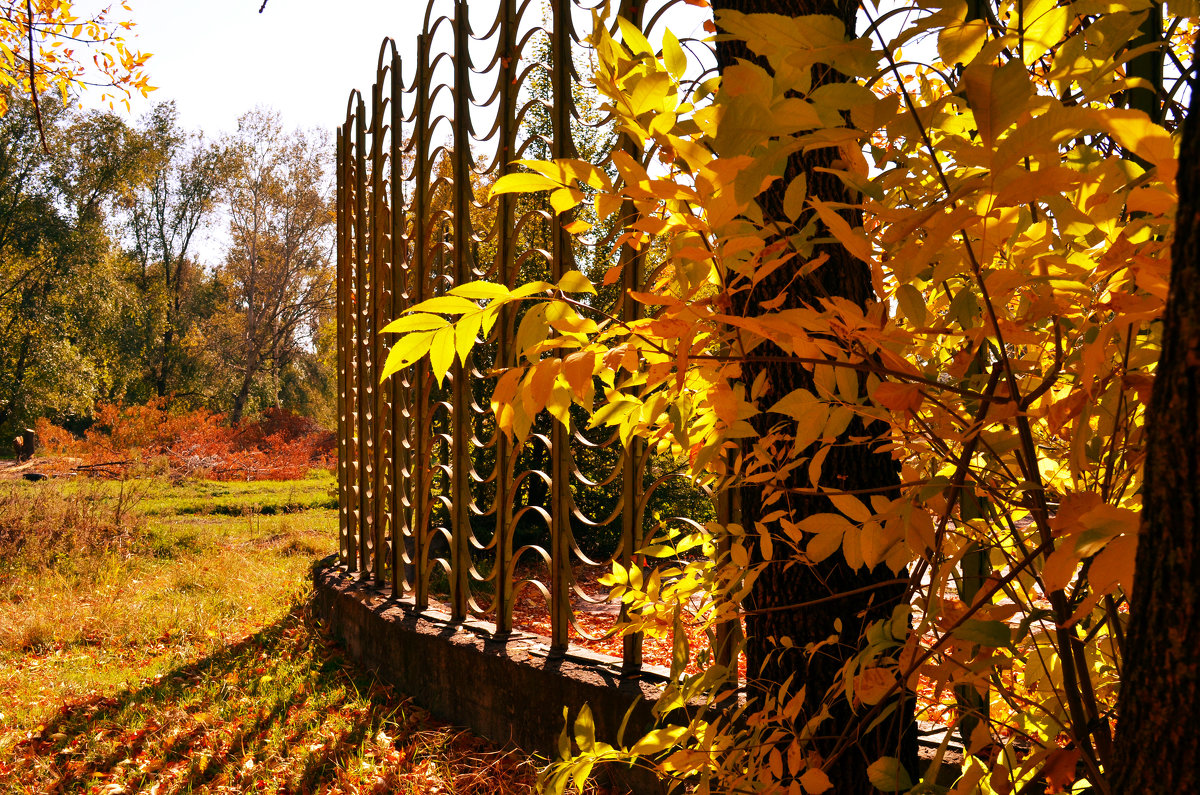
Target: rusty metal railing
(435,503)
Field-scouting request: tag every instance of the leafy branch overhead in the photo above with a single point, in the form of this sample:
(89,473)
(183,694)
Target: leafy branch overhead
(53,45)
(1014,210)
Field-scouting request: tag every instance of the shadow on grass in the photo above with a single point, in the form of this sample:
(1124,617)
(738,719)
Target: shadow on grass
(280,711)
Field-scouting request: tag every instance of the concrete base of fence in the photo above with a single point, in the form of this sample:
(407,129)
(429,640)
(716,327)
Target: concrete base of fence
(510,691)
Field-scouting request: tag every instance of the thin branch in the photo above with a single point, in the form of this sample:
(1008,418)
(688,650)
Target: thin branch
(33,94)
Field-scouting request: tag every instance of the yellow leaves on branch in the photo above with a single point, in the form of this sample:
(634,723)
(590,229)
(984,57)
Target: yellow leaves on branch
(70,52)
(1015,221)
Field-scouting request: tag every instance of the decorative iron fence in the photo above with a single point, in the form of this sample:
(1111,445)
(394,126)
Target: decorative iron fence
(435,502)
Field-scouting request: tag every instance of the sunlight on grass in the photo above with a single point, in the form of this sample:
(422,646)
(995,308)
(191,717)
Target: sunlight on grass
(182,659)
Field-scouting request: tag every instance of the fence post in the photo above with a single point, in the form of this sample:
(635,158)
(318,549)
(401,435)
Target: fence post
(460,425)
(422,431)
(632,475)
(366,391)
(401,461)
(506,273)
(562,260)
(350,338)
(728,633)
(380,410)
(342,406)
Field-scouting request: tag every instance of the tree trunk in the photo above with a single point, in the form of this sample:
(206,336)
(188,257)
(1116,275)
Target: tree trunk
(1160,682)
(776,607)
(243,394)
(164,365)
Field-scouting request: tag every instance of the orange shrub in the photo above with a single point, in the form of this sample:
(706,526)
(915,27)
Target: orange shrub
(279,446)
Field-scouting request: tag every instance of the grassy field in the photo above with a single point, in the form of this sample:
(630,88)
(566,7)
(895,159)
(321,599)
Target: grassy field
(154,637)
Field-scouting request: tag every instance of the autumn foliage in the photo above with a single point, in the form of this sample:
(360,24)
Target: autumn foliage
(280,445)
(54,45)
(1014,207)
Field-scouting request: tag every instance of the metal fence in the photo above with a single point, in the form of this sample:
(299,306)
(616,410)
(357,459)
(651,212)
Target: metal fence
(436,503)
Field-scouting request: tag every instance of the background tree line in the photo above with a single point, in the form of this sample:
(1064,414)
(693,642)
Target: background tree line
(143,260)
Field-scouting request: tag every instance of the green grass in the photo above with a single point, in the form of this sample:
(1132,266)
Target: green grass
(182,658)
(161,497)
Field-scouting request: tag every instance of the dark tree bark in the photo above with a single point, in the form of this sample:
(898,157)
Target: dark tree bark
(1160,681)
(778,603)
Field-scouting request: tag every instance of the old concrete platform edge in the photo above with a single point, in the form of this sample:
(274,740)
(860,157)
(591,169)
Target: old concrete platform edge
(508,690)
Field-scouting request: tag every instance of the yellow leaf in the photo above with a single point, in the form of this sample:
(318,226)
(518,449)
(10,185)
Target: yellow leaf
(1059,568)
(1103,523)
(607,204)
(792,115)
(1134,131)
(912,304)
(447,305)
(416,322)
(541,381)
(822,546)
(817,464)
(441,352)
(825,523)
(464,334)
(851,506)
(480,291)
(797,403)
(673,56)
(810,426)
(633,38)
(876,543)
(998,95)
(523,183)
(852,548)
(1114,565)
(409,349)
(533,328)
(898,397)
(565,170)
(659,739)
(502,399)
(578,369)
(960,43)
(872,684)
(1045,26)
(794,197)
(1152,200)
(565,199)
(575,282)
(815,781)
(853,239)
(559,403)
(870,118)
(847,383)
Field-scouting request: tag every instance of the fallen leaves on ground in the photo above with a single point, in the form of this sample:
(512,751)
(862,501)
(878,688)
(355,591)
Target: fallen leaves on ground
(277,711)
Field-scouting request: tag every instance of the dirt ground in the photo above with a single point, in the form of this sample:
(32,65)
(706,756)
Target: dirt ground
(46,465)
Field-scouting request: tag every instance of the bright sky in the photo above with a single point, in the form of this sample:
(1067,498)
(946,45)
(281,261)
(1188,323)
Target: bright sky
(219,58)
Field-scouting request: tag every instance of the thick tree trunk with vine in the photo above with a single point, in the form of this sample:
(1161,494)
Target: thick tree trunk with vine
(781,602)
(1160,681)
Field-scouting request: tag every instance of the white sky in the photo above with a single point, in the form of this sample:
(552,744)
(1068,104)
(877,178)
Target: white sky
(219,58)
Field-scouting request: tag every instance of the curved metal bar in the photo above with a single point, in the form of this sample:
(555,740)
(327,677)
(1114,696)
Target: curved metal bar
(424,467)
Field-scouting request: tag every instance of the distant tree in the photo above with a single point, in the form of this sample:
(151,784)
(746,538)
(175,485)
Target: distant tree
(59,267)
(278,272)
(164,217)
